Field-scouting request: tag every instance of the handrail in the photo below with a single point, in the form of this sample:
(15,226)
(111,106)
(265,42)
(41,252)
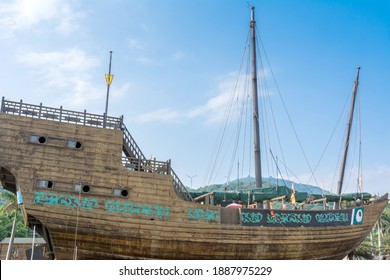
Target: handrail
(180,189)
(129,143)
(146,165)
(60,115)
(160,167)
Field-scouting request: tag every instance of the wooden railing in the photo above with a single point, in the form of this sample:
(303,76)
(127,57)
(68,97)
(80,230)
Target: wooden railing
(145,165)
(60,115)
(180,189)
(161,167)
(134,160)
(130,147)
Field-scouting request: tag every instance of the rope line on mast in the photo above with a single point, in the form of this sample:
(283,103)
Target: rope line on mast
(211,171)
(267,95)
(352,162)
(288,114)
(342,115)
(341,146)
(330,138)
(77,227)
(360,166)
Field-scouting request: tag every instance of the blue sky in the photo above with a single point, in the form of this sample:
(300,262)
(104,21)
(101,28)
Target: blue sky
(175,61)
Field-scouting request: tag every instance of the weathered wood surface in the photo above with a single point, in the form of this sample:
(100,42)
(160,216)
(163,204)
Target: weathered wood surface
(152,221)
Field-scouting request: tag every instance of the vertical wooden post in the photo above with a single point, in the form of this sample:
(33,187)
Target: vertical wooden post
(20,106)
(40,110)
(2,105)
(169,167)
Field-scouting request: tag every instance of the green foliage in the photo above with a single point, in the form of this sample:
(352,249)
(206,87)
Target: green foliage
(6,220)
(369,249)
(7,215)
(364,251)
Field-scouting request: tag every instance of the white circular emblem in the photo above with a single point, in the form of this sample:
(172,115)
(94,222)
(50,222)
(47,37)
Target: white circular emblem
(359,216)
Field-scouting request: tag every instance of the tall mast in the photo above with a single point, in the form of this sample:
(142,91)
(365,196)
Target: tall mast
(255,103)
(347,134)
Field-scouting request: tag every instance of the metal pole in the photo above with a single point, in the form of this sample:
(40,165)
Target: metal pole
(11,240)
(108,81)
(347,134)
(33,244)
(255,103)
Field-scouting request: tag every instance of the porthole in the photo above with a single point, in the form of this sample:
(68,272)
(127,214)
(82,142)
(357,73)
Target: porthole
(120,192)
(82,188)
(86,188)
(74,144)
(44,184)
(37,139)
(124,193)
(42,140)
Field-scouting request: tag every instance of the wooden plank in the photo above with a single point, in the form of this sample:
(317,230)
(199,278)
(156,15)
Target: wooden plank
(279,198)
(203,196)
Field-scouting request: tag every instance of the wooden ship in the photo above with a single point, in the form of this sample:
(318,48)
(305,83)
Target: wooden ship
(86,186)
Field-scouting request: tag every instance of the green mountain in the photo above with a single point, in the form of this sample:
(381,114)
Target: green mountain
(248,183)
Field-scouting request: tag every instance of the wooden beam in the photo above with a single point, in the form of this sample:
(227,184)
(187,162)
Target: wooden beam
(318,200)
(279,198)
(203,196)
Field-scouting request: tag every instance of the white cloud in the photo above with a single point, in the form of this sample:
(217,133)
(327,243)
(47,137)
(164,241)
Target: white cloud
(68,72)
(161,115)
(376,179)
(145,60)
(26,14)
(135,44)
(215,107)
(118,91)
(212,111)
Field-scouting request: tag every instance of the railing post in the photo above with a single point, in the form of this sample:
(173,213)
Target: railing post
(169,167)
(3,105)
(20,106)
(85,116)
(121,119)
(40,110)
(122,126)
(60,113)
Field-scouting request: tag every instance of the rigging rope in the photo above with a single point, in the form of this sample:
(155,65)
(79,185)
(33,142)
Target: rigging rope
(330,139)
(77,226)
(240,103)
(341,146)
(288,114)
(266,91)
(360,166)
(216,153)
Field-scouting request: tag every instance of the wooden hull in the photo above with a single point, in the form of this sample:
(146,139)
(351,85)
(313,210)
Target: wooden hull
(151,220)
